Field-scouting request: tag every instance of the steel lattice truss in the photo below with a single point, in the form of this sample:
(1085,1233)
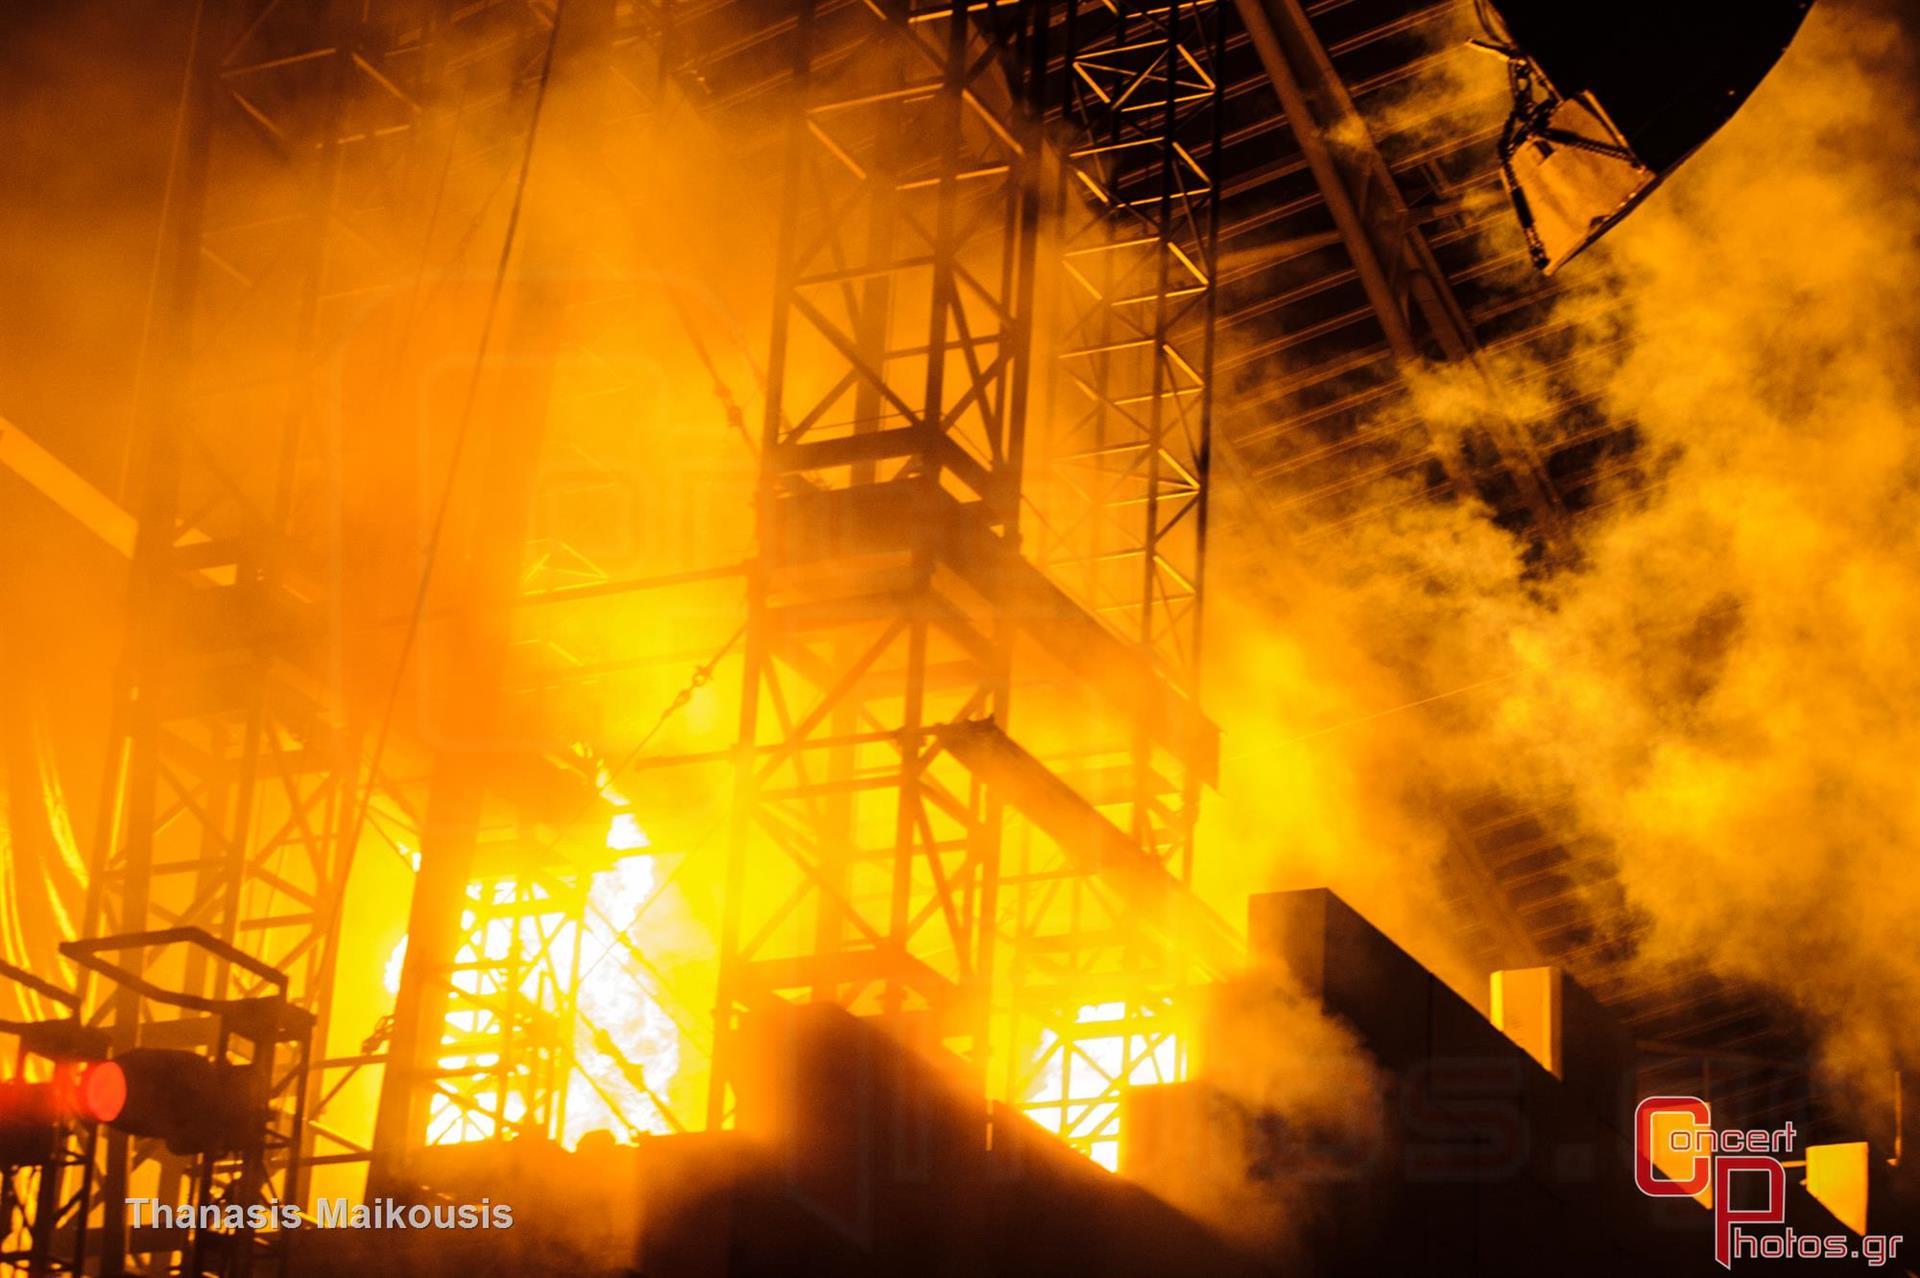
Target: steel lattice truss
(505,1054)
(949,257)
(234,768)
(867,859)
(237,784)
(45,1206)
(1123,524)
(1138,245)
(970,756)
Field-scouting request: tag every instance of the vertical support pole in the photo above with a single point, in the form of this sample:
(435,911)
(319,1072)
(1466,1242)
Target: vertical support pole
(1138,203)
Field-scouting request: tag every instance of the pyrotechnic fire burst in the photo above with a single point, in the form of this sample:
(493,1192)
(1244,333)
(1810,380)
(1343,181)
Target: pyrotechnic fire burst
(625,1045)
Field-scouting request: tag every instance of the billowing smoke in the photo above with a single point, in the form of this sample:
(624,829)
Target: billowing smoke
(1722,690)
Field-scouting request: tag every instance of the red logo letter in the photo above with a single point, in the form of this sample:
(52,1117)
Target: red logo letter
(1645,1154)
(1725,1216)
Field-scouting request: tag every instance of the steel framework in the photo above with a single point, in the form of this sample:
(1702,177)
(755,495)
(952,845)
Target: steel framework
(443,1082)
(1005,195)
(892,612)
(1125,519)
(46,1199)
(506,1053)
(1138,205)
(865,860)
(264,1043)
(231,770)
(890,600)
(323,147)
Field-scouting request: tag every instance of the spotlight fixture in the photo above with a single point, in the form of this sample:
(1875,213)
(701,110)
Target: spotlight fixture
(31,1113)
(1609,99)
(29,1123)
(194,1105)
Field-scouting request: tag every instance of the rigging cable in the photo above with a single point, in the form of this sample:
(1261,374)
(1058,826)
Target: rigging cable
(461,432)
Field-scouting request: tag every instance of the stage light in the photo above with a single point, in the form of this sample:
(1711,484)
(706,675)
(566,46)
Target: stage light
(29,1120)
(31,1113)
(191,1103)
(1609,99)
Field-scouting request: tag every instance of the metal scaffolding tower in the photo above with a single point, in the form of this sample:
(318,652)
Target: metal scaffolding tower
(865,859)
(1125,532)
(483,1037)
(232,765)
(331,160)
(467,956)
(892,611)
(507,1049)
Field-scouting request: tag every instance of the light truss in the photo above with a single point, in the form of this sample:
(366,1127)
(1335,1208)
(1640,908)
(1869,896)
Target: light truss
(233,768)
(506,1052)
(1124,530)
(312,132)
(935,228)
(1138,206)
(866,858)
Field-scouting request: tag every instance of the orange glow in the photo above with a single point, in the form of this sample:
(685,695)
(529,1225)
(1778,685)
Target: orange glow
(1072,1087)
(1837,1175)
(1717,694)
(626,1048)
(1693,1139)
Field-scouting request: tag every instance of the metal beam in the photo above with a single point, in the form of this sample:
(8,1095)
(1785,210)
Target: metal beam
(96,512)
(1390,254)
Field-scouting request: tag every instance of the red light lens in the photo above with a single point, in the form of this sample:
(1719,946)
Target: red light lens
(103,1091)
